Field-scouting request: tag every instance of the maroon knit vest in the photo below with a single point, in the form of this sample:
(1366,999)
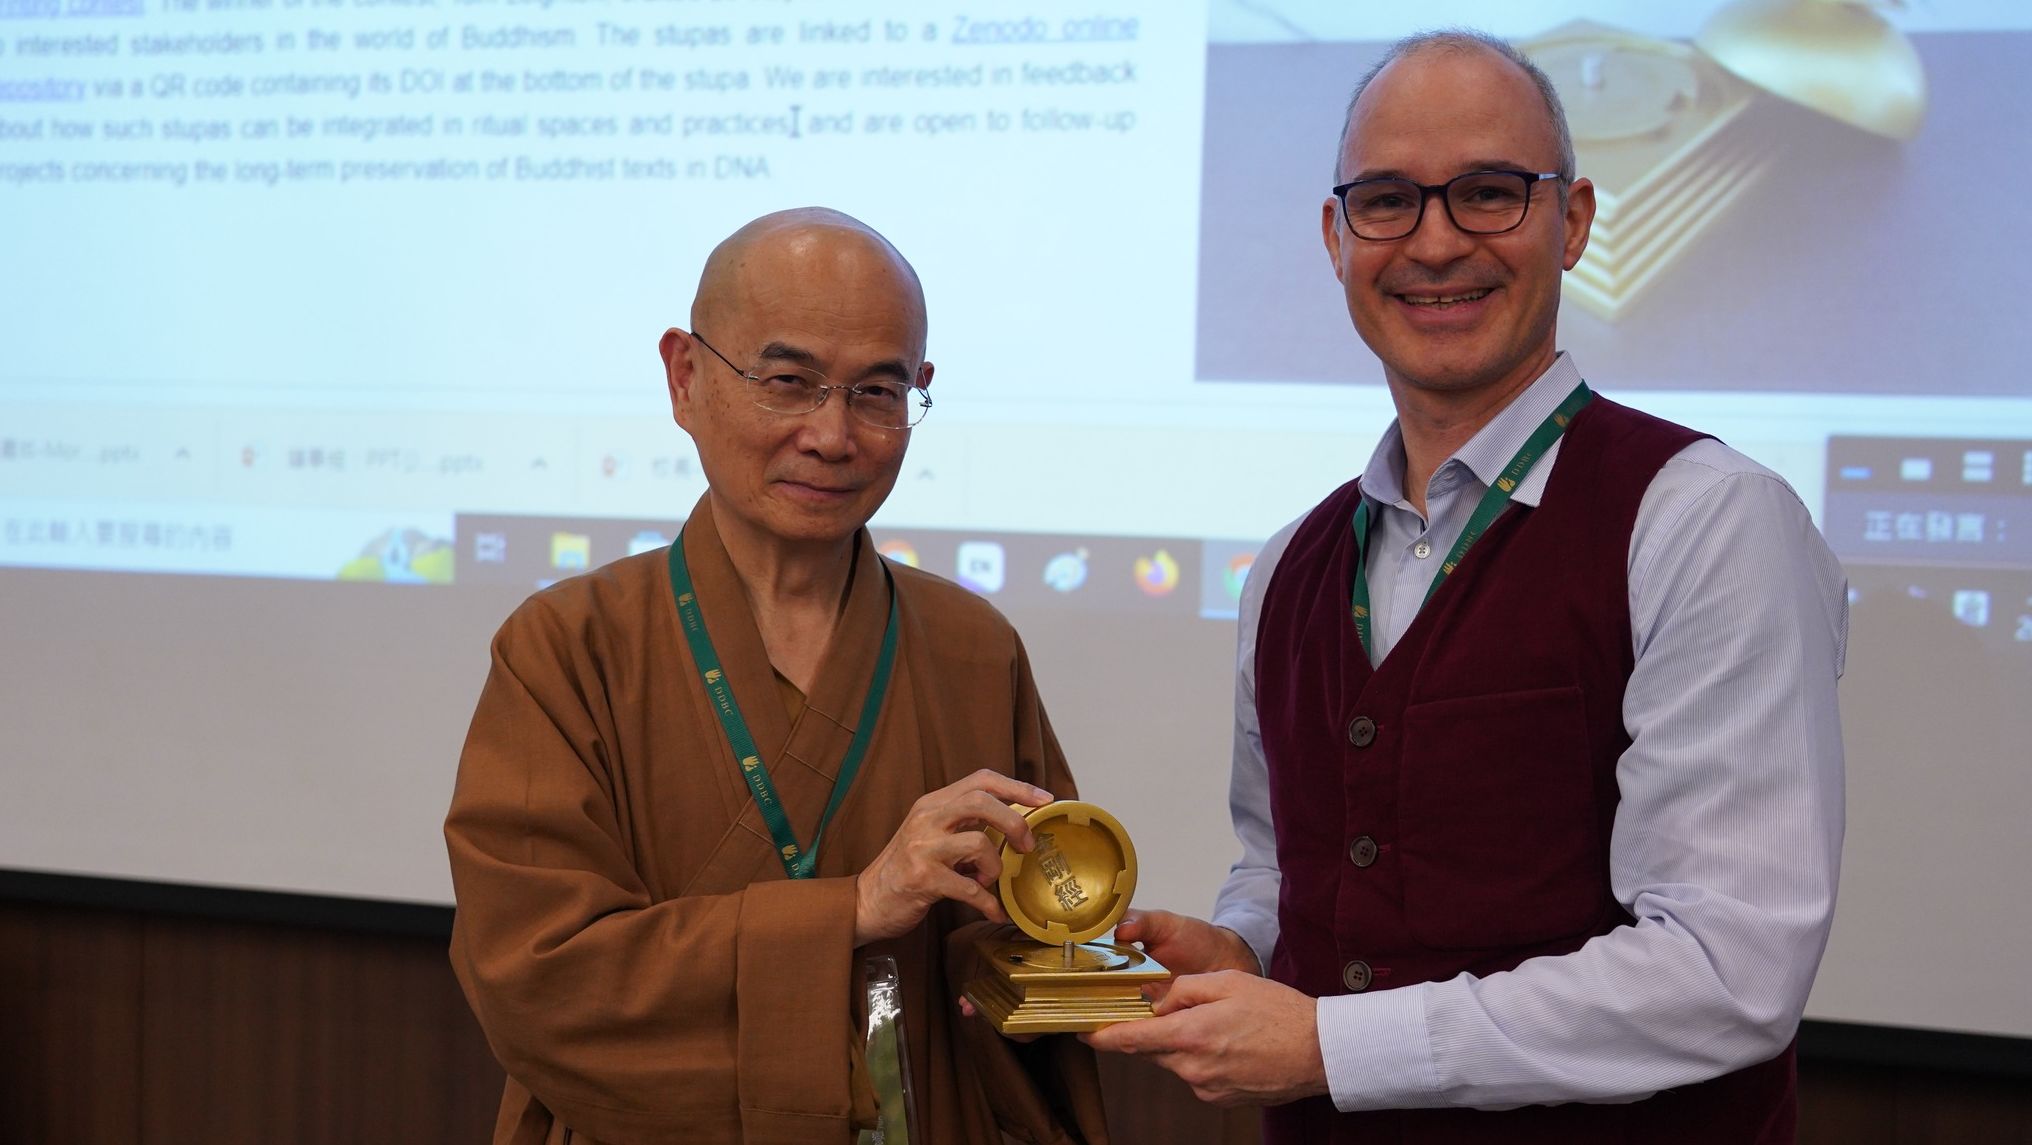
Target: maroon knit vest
(1450,810)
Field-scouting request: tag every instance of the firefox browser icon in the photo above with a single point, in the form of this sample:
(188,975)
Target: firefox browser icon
(1157,574)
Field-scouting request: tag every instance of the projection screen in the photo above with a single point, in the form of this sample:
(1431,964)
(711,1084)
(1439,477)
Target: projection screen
(327,333)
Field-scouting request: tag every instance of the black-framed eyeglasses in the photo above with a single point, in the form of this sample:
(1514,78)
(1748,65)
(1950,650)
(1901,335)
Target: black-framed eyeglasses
(1479,203)
(784,388)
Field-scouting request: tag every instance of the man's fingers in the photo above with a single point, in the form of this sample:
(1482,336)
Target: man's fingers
(953,885)
(1002,788)
(1192,990)
(1116,1039)
(1006,788)
(1149,927)
(970,853)
(1195,990)
(1020,791)
(942,851)
(971,810)
(1142,1036)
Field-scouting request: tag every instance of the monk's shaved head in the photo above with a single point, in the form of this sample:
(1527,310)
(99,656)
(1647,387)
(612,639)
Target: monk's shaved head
(804,298)
(747,269)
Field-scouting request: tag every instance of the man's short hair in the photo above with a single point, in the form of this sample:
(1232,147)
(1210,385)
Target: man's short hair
(1465,40)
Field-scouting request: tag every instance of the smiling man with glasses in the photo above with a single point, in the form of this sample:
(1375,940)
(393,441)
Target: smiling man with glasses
(721,813)
(1537,769)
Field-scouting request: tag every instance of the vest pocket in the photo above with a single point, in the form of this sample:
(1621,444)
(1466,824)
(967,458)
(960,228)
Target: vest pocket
(1498,832)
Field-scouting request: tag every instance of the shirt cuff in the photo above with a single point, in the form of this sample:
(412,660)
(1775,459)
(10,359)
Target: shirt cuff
(1378,1051)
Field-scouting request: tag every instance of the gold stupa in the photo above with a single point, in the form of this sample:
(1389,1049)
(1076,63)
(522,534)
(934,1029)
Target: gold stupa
(1046,974)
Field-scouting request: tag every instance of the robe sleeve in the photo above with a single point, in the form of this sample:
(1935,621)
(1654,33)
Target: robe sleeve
(1047,1091)
(633,1021)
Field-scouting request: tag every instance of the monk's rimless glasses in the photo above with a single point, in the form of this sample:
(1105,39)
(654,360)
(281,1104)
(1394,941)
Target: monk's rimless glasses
(783,388)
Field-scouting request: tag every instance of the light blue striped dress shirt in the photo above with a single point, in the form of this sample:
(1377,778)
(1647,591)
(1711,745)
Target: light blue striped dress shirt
(1727,840)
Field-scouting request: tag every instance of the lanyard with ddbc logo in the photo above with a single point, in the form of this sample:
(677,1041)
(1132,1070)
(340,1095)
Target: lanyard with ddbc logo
(798,861)
(1491,506)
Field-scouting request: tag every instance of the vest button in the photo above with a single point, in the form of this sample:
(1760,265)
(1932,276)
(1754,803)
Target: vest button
(1363,851)
(1355,976)
(1361,731)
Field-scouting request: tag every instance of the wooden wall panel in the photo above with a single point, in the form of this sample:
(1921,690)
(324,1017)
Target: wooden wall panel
(70,994)
(118,1028)
(1147,1104)
(1842,1104)
(257,1034)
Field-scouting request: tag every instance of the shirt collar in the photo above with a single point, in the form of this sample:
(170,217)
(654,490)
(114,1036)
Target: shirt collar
(1383,480)
(1491,448)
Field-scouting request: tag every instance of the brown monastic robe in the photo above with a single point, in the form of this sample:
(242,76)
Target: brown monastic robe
(640,963)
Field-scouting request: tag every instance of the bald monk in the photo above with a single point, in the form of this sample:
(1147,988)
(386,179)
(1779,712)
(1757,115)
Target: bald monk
(706,785)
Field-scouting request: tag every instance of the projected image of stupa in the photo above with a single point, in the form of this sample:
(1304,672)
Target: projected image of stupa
(1672,136)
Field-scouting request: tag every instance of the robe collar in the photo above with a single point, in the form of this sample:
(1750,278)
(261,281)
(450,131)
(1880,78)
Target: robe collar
(803,757)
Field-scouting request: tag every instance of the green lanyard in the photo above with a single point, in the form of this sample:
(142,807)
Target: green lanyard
(798,862)
(1492,505)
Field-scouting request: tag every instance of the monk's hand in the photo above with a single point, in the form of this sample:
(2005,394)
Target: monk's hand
(1234,1037)
(942,851)
(1185,945)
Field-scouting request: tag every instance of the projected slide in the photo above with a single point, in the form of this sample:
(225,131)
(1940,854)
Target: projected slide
(320,276)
